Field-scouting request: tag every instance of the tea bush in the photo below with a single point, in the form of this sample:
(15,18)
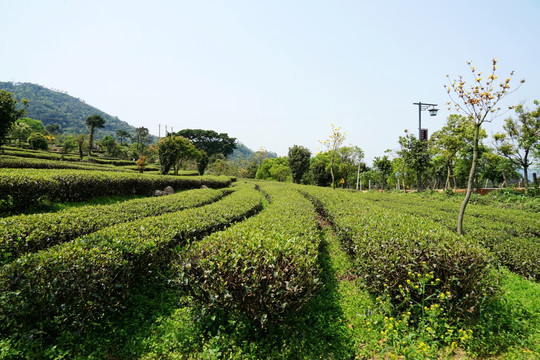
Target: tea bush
(29,233)
(72,285)
(263,268)
(21,188)
(387,247)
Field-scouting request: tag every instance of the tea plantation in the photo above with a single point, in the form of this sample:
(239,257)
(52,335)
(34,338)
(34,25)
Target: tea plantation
(248,269)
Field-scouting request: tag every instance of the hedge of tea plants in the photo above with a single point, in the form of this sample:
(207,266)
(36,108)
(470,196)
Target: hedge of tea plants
(512,235)
(21,188)
(16,162)
(263,268)
(396,254)
(74,284)
(29,233)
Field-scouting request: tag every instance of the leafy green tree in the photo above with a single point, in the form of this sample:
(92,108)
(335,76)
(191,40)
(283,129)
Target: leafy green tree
(93,122)
(210,142)
(320,169)
(21,131)
(450,139)
(35,125)
(274,169)
(173,151)
(122,135)
(415,155)
(142,137)
(9,113)
(384,166)
(38,141)
(53,128)
(69,145)
(496,168)
(520,139)
(110,145)
(299,160)
(81,144)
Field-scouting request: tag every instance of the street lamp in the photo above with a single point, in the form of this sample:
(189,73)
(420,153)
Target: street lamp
(422,133)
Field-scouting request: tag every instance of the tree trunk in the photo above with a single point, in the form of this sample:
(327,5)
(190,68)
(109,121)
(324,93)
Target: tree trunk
(358,176)
(470,181)
(419,178)
(90,141)
(332,172)
(448,177)
(526,175)
(505,180)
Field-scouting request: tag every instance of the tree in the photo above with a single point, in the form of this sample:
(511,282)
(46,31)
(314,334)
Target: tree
(122,134)
(299,158)
(21,131)
(93,122)
(69,145)
(110,145)
(521,138)
(480,104)
(142,137)
(35,125)
(333,143)
(173,150)
(38,141)
(81,143)
(9,113)
(53,128)
(453,136)
(274,169)
(415,156)
(384,166)
(210,142)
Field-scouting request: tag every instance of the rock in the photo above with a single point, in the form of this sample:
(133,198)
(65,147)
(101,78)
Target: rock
(168,190)
(204,187)
(159,193)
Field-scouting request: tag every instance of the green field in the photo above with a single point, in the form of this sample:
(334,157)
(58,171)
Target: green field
(259,270)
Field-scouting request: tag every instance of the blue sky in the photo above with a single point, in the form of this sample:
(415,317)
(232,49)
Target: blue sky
(270,73)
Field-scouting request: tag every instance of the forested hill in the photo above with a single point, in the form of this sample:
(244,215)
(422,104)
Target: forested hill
(70,113)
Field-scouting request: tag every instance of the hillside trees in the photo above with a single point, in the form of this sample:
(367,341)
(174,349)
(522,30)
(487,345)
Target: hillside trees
(93,122)
(9,113)
(480,104)
(122,135)
(299,158)
(20,131)
(520,138)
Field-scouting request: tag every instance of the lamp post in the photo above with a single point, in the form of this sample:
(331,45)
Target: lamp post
(422,135)
(432,112)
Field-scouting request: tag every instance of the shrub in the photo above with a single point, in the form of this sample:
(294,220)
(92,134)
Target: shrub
(72,285)
(30,233)
(38,141)
(388,246)
(263,268)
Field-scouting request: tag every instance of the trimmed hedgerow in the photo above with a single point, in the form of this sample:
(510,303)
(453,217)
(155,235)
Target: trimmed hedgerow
(71,285)
(29,233)
(512,235)
(263,268)
(15,162)
(389,247)
(21,188)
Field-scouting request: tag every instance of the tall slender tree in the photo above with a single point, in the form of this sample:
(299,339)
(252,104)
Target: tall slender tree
(480,103)
(299,160)
(93,122)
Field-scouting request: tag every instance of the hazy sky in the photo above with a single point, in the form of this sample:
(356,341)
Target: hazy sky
(271,73)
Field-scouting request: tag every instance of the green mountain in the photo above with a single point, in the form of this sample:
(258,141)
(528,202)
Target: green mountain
(55,107)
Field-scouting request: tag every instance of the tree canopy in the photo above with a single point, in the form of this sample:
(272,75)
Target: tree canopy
(299,157)
(210,141)
(9,113)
